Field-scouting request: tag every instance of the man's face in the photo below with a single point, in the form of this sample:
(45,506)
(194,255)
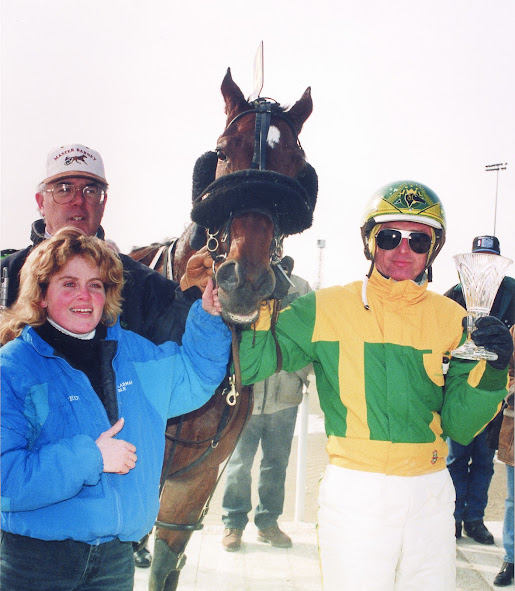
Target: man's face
(78,213)
(401,263)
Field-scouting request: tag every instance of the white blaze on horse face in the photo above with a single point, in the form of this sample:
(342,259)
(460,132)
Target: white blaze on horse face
(274,135)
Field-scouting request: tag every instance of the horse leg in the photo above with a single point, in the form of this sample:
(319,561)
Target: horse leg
(166,567)
(182,502)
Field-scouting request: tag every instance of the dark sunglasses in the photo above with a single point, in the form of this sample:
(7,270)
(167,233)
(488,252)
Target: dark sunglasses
(389,238)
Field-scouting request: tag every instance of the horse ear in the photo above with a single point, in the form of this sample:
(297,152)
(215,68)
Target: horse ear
(301,110)
(233,97)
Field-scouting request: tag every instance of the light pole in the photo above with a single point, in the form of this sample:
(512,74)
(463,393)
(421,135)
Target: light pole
(497,168)
(320,246)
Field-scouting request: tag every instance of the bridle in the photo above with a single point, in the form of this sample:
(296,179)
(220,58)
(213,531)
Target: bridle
(263,109)
(219,240)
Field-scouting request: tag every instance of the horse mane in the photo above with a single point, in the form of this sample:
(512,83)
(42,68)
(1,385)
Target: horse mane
(276,107)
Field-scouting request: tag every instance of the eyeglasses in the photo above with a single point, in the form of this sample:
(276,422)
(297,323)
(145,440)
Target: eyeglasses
(65,193)
(389,238)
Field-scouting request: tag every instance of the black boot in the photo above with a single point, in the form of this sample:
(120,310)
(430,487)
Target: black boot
(142,557)
(458,530)
(478,532)
(505,575)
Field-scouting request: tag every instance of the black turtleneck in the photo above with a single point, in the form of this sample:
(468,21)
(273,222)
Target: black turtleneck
(84,355)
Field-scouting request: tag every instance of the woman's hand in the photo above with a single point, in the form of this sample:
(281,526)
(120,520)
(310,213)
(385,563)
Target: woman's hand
(210,301)
(118,455)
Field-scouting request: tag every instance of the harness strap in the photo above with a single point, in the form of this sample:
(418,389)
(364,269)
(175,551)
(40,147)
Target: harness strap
(157,257)
(279,114)
(198,525)
(166,469)
(180,526)
(214,439)
(167,269)
(168,249)
(235,347)
(275,316)
(263,117)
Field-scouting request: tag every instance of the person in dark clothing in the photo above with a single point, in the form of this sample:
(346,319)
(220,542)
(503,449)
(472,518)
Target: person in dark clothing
(270,426)
(74,193)
(471,466)
(504,577)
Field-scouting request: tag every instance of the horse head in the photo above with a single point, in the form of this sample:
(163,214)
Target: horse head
(251,192)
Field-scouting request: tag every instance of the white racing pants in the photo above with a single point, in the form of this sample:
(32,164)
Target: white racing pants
(386,533)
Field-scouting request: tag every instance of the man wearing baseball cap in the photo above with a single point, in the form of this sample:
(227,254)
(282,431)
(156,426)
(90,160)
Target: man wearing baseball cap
(471,466)
(73,192)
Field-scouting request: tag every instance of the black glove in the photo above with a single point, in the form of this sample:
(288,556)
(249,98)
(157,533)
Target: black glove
(282,285)
(491,334)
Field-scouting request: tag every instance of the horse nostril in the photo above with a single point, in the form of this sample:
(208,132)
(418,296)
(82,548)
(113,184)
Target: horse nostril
(266,285)
(227,276)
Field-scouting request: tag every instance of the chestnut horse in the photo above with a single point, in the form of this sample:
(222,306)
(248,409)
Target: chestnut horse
(253,190)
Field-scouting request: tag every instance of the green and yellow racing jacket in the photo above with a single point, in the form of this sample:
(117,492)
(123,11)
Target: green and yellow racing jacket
(379,372)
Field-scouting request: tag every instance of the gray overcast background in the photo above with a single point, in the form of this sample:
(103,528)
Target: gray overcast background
(401,89)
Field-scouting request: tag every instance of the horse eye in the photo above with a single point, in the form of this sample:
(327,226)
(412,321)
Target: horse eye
(220,155)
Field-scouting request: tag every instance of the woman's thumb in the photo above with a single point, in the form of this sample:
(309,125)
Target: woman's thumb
(116,428)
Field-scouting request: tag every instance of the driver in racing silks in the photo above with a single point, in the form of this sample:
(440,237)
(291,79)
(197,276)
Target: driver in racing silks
(386,500)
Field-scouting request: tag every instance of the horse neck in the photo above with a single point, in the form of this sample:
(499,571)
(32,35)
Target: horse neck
(145,254)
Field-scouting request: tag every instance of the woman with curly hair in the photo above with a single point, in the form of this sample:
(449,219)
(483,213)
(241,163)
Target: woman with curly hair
(84,409)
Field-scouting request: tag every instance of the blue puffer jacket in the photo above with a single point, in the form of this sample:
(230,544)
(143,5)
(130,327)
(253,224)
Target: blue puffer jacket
(53,486)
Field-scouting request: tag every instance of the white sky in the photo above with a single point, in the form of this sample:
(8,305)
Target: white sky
(402,89)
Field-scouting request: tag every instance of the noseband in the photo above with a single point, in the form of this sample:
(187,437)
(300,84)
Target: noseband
(219,241)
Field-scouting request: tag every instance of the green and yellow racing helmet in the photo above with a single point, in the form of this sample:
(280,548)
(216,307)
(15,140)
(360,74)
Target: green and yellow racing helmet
(404,201)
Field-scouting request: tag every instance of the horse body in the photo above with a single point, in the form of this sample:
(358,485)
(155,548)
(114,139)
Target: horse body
(244,236)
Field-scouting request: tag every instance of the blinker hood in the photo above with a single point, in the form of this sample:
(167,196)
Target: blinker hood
(285,198)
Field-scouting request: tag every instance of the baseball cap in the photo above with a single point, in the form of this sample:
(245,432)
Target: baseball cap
(486,244)
(74,160)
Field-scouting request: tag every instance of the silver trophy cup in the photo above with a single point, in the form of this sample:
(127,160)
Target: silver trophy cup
(480,276)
